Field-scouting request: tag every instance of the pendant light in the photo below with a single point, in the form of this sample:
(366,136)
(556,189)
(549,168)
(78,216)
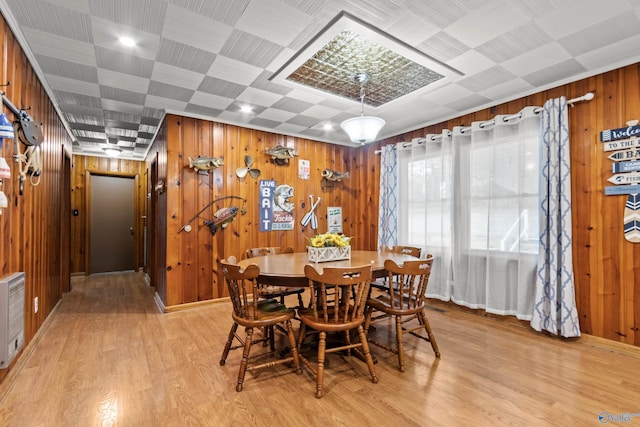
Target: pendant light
(112,150)
(362,129)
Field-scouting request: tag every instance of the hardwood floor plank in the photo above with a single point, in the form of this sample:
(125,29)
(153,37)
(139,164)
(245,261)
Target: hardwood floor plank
(108,357)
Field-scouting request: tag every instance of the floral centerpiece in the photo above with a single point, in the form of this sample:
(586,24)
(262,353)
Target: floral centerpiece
(329,247)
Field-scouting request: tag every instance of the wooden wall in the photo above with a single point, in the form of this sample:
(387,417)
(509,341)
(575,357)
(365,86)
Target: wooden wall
(82,168)
(191,273)
(606,266)
(34,229)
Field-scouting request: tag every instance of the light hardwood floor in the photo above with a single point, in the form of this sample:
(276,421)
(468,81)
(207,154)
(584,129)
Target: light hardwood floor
(106,356)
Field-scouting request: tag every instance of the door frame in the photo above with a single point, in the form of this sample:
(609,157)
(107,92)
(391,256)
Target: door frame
(137,233)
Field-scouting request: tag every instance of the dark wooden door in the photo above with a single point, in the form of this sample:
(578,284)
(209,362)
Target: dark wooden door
(112,222)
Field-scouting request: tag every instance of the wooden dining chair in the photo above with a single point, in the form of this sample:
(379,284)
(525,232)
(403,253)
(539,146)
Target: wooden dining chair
(404,298)
(270,290)
(383,283)
(340,294)
(252,313)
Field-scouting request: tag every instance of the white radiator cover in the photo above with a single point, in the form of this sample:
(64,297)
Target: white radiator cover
(11,317)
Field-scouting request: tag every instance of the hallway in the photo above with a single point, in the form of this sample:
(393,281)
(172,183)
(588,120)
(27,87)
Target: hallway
(108,357)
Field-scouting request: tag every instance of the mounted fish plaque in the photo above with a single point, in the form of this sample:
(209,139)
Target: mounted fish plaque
(281,154)
(203,164)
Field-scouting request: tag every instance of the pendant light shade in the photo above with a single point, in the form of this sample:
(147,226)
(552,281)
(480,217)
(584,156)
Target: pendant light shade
(362,129)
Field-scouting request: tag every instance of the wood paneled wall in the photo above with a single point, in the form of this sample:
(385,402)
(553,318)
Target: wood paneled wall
(82,168)
(34,229)
(606,266)
(191,273)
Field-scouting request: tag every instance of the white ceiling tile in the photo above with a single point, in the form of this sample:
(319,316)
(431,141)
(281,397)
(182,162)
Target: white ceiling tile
(74,86)
(577,15)
(107,33)
(210,101)
(164,103)
(280,60)
(111,104)
(290,128)
(235,117)
(319,112)
(487,22)
(313,96)
(259,97)
(273,21)
(537,59)
(234,71)
(506,90)
(275,114)
(80,6)
(471,62)
(447,94)
(410,28)
(172,75)
(60,47)
(611,56)
(196,30)
(123,81)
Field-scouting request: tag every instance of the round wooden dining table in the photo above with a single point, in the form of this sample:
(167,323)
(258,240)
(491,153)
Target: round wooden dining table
(288,269)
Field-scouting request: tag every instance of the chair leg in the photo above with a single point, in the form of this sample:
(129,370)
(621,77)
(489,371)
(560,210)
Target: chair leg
(272,338)
(294,350)
(227,346)
(367,354)
(399,344)
(300,301)
(422,318)
(322,344)
(245,358)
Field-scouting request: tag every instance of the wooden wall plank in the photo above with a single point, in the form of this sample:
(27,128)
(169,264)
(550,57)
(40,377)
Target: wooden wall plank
(30,227)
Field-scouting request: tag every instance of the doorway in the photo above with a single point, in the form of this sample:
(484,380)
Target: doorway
(111,230)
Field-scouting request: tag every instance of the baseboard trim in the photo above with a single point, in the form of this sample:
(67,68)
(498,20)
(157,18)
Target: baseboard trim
(198,304)
(25,355)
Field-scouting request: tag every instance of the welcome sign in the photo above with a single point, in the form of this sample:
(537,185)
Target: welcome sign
(620,133)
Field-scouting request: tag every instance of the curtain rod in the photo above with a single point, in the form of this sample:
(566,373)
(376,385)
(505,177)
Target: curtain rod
(586,97)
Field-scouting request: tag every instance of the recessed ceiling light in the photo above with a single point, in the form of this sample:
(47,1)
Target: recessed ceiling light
(127,41)
(246,109)
(327,126)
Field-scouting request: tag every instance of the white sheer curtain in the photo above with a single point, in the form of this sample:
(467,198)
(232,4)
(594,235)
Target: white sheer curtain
(425,204)
(471,200)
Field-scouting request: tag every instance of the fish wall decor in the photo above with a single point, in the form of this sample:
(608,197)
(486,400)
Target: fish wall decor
(331,175)
(203,164)
(281,154)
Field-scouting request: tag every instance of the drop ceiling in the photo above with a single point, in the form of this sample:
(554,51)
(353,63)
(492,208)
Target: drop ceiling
(208,59)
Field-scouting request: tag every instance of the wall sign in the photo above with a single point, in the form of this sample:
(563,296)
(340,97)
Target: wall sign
(334,219)
(622,144)
(276,209)
(626,166)
(626,173)
(304,169)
